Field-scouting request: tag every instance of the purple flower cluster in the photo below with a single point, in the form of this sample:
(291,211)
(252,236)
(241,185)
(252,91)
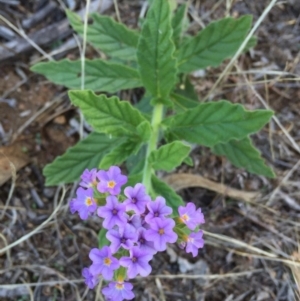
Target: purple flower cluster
(137,228)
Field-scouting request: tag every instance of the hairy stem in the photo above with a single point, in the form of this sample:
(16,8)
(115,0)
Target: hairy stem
(152,144)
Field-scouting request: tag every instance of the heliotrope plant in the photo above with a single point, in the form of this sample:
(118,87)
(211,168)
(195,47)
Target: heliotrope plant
(136,228)
(153,135)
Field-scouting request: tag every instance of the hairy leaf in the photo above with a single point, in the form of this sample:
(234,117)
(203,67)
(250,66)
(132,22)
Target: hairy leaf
(179,23)
(144,130)
(111,37)
(243,154)
(182,103)
(169,156)
(85,154)
(135,163)
(99,75)
(107,115)
(172,198)
(216,122)
(156,49)
(218,41)
(119,154)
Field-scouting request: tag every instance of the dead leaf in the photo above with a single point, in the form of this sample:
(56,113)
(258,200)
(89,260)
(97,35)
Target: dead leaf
(182,180)
(12,158)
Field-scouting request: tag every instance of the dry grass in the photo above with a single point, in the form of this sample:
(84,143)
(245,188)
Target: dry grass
(251,248)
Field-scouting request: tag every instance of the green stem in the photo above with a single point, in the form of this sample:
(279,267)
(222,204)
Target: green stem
(152,144)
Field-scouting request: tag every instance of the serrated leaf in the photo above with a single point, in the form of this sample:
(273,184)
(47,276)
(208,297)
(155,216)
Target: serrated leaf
(99,75)
(172,198)
(111,37)
(119,154)
(102,240)
(107,114)
(144,130)
(85,154)
(243,154)
(216,122)
(156,49)
(169,156)
(187,89)
(218,41)
(182,103)
(135,163)
(178,23)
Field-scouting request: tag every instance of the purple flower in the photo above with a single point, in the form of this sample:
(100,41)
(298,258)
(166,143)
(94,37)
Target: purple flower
(90,280)
(157,209)
(113,213)
(143,242)
(194,242)
(190,216)
(103,262)
(134,221)
(136,198)
(161,232)
(111,180)
(137,263)
(125,238)
(84,204)
(118,291)
(89,178)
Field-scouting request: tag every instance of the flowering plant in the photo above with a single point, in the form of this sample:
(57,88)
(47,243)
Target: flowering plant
(154,134)
(135,226)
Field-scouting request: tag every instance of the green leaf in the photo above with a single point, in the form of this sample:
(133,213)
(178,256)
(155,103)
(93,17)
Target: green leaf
(134,179)
(188,161)
(172,198)
(169,156)
(243,154)
(85,154)
(119,154)
(182,103)
(218,41)
(179,23)
(107,115)
(216,122)
(99,75)
(135,163)
(187,89)
(111,37)
(102,240)
(144,130)
(251,43)
(156,51)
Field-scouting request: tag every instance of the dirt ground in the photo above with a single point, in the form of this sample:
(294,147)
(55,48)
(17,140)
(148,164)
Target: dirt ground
(252,249)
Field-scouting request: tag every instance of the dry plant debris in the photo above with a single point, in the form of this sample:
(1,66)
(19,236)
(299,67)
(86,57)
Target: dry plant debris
(252,248)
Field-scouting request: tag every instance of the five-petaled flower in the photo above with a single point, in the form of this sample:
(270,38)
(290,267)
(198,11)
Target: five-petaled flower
(190,216)
(137,263)
(161,232)
(136,198)
(84,204)
(157,209)
(111,181)
(118,291)
(103,262)
(113,213)
(194,242)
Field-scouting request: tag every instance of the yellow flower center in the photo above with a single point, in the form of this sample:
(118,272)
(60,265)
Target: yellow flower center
(111,184)
(119,285)
(185,217)
(190,239)
(161,231)
(88,201)
(107,261)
